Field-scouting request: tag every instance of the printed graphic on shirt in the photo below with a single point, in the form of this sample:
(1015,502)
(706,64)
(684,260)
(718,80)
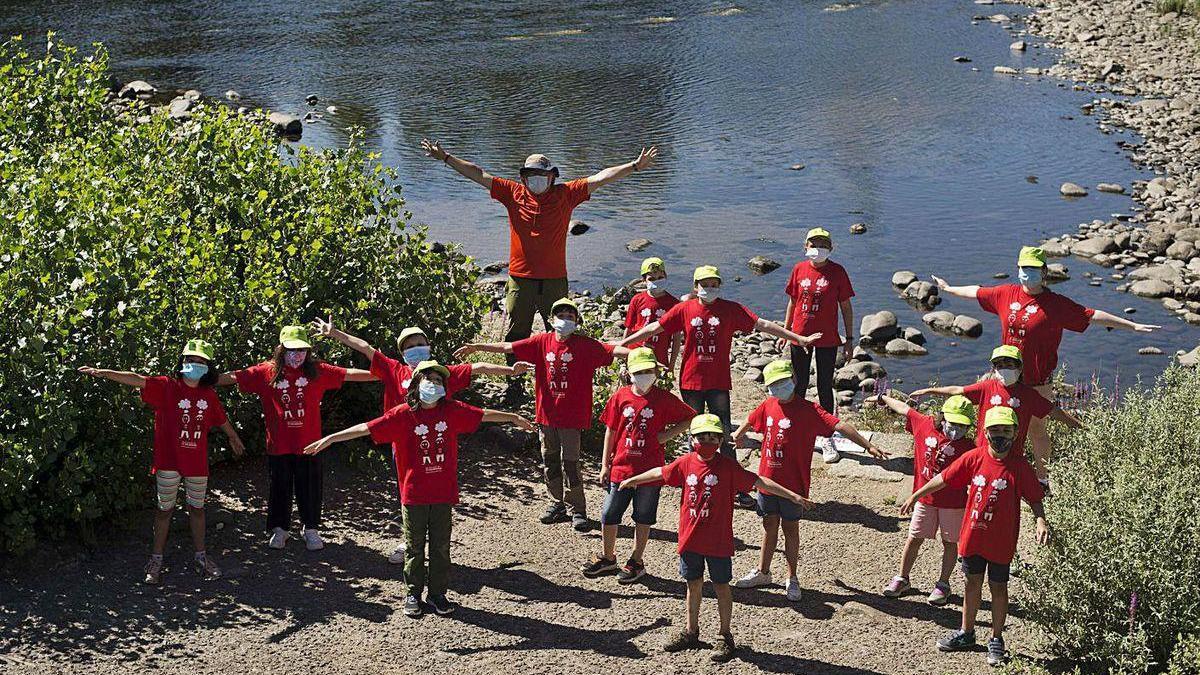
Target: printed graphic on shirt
(706,337)
(635,424)
(191,421)
(983,506)
(699,501)
(935,455)
(291,395)
(1013,402)
(649,316)
(557,368)
(812,294)
(773,440)
(1018,320)
(433,451)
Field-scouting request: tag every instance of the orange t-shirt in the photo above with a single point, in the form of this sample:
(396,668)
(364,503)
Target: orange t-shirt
(538,226)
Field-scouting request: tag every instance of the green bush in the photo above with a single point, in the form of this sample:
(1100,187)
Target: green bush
(1178,6)
(123,236)
(1118,587)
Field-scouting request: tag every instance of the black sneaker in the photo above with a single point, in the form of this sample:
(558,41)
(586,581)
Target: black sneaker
(681,641)
(745,501)
(441,605)
(631,572)
(957,641)
(412,607)
(724,649)
(996,653)
(580,522)
(599,566)
(555,513)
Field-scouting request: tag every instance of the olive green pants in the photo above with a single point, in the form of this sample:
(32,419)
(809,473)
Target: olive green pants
(525,297)
(427,523)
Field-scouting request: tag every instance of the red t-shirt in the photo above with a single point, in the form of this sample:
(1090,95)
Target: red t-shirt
(182,417)
(396,376)
(932,453)
(425,447)
(538,225)
(636,422)
(790,432)
(815,293)
(646,309)
(291,406)
(995,488)
(1022,398)
(707,337)
(706,506)
(563,376)
(1034,324)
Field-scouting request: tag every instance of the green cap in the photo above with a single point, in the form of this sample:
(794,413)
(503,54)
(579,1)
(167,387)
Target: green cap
(1031,256)
(705,272)
(818,232)
(198,347)
(434,366)
(407,333)
(641,360)
(1000,416)
(294,337)
(566,302)
(777,370)
(959,410)
(1007,352)
(651,264)
(706,423)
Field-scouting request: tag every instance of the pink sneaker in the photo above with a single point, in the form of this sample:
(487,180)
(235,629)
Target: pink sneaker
(896,587)
(940,594)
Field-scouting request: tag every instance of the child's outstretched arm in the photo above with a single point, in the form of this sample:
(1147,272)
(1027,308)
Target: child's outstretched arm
(226,380)
(648,476)
(360,375)
(326,329)
(938,391)
(848,430)
(740,433)
(673,431)
(772,328)
(497,370)
(507,418)
(235,441)
(124,377)
(356,431)
(649,330)
(764,484)
(494,347)
(1060,415)
(895,405)
(936,483)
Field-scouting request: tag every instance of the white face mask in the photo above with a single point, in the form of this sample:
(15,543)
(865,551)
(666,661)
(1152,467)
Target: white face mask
(953,431)
(1030,276)
(1008,375)
(430,392)
(655,287)
(708,293)
(537,184)
(643,381)
(817,255)
(563,326)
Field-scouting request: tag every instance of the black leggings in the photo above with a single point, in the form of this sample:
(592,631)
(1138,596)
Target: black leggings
(297,475)
(801,362)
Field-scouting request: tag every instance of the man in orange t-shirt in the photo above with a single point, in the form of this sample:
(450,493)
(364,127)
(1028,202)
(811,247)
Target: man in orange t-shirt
(539,215)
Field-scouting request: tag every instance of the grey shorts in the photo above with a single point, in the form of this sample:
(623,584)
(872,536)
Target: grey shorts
(644,499)
(771,505)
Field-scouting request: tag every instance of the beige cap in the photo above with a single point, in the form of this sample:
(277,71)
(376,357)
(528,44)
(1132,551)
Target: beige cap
(539,162)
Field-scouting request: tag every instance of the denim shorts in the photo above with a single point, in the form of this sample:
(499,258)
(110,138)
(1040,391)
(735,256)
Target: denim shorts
(975,564)
(771,505)
(691,567)
(645,504)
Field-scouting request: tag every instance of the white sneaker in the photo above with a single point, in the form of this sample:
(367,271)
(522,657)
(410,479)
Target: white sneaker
(312,540)
(397,556)
(793,589)
(754,579)
(829,453)
(279,537)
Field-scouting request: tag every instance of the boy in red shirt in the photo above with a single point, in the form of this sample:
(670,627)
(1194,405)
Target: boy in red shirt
(185,408)
(424,436)
(710,482)
(650,306)
(564,367)
(997,479)
(937,442)
(638,420)
(790,425)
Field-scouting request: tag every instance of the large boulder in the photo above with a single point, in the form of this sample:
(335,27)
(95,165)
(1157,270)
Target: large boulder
(878,327)
(913,335)
(967,325)
(180,108)
(922,293)
(1151,288)
(137,89)
(1191,234)
(1164,273)
(286,125)
(1056,249)
(762,264)
(902,347)
(1190,359)
(1094,246)
(940,320)
(636,245)
(1057,272)
(1181,250)
(1072,190)
(903,278)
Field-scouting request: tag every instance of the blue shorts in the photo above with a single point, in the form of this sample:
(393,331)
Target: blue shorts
(691,567)
(976,564)
(770,505)
(645,504)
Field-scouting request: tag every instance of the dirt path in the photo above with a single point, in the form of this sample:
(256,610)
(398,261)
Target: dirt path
(525,608)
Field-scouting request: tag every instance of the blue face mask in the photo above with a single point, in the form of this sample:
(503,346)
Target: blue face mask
(417,354)
(1030,276)
(654,286)
(193,371)
(430,392)
(783,389)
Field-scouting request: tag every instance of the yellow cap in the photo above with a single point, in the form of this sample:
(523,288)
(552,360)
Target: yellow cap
(706,423)
(566,302)
(198,347)
(641,360)
(705,272)
(1000,416)
(1006,352)
(775,371)
(958,410)
(1031,256)
(651,264)
(434,366)
(294,337)
(818,232)
(407,333)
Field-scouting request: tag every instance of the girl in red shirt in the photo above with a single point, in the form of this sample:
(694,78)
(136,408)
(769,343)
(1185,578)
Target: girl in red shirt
(650,306)
(185,407)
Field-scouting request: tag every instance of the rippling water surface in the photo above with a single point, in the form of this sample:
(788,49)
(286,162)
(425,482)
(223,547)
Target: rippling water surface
(893,133)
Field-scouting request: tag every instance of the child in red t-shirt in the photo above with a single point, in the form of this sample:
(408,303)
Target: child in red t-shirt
(650,306)
(639,419)
(938,441)
(185,407)
(790,426)
(565,366)
(710,482)
(424,436)
(997,479)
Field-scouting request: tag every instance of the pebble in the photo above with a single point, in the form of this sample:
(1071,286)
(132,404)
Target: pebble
(637,245)
(1150,351)
(578,227)
(311,99)
(1072,190)
(858,228)
(796,167)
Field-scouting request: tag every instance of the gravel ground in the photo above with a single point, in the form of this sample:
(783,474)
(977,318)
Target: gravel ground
(525,607)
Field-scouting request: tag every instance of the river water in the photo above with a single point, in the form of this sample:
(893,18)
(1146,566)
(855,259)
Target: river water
(931,154)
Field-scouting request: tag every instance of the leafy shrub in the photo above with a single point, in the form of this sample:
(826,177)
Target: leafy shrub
(1117,587)
(122,238)
(1178,6)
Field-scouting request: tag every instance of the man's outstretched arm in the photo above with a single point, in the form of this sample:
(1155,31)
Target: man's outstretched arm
(473,171)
